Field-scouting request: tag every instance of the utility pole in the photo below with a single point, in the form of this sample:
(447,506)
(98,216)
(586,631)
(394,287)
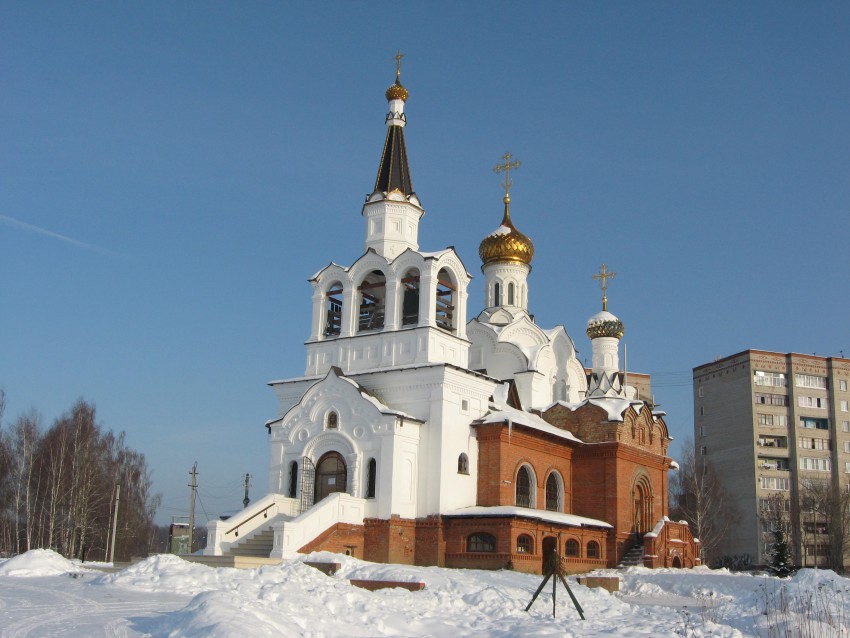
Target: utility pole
(194,486)
(246,500)
(114,524)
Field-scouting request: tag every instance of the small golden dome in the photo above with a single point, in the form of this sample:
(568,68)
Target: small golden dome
(506,243)
(604,324)
(396,92)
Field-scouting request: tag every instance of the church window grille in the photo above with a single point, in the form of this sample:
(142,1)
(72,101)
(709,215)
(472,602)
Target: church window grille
(554,500)
(510,294)
(593,549)
(481,542)
(524,544)
(371,478)
(463,464)
(293,479)
(333,421)
(372,296)
(571,548)
(410,299)
(524,487)
(445,301)
(333,310)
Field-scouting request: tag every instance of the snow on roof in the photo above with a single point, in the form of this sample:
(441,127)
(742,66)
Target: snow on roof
(323,269)
(437,254)
(382,407)
(615,407)
(657,529)
(525,512)
(502,413)
(501,230)
(674,465)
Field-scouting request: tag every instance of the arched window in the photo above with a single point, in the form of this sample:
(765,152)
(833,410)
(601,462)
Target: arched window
(333,421)
(293,479)
(592,549)
(554,493)
(446,301)
(524,544)
(371,478)
(410,299)
(571,548)
(481,542)
(525,486)
(510,294)
(463,464)
(333,310)
(497,294)
(372,293)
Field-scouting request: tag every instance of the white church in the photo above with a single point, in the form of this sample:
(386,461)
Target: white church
(419,435)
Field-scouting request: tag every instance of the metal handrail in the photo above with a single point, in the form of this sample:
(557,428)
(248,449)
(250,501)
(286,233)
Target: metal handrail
(263,511)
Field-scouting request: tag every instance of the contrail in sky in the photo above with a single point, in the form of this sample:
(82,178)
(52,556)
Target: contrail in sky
(14,223)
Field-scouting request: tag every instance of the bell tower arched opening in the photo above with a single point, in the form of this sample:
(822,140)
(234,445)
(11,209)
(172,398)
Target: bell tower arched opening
(446,301)
(372,294)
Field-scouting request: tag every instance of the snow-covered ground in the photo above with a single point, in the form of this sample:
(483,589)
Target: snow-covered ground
(43,594)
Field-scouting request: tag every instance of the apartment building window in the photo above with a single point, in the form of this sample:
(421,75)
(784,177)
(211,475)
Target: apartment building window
(703,451)
(771,399)
(774,505)
(814,444)
(843,405)
(776,379)
(773,441)
(702,391)
(773,420)
(768,463)
(845,426)
(847,447)
(814,464)
(842,385)
(810,381)
(703,430)
(814,424)
(775,483)
(812,402)
(701,411)
(847,468)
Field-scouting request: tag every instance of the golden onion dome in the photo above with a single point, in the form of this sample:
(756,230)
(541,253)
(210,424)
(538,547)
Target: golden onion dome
(506,243)
(396,92)
(604,324)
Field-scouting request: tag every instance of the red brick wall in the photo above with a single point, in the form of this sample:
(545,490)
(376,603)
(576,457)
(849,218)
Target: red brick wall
(390,541)
(502,451)
(340,538)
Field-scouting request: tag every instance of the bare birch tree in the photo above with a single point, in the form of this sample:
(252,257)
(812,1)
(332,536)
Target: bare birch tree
(698,498)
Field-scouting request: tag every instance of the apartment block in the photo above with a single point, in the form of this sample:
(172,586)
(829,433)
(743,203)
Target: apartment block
(772,423)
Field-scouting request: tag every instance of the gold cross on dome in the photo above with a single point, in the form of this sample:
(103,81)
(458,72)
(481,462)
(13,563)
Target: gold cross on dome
(506,168)
(602,277)
(397,57)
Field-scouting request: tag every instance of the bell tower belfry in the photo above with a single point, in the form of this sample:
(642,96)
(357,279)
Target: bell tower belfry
(394,306)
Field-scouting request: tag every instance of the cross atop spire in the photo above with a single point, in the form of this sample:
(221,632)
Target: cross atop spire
(602,277)
(397,57)
(506,169)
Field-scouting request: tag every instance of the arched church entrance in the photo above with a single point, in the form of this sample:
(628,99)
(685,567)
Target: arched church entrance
(331,475)
(676,562)
(642,499)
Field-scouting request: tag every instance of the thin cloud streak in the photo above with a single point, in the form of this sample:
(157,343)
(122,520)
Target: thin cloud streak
(15,223)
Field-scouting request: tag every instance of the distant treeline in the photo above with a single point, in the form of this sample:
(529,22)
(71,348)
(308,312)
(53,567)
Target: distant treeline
(57,487)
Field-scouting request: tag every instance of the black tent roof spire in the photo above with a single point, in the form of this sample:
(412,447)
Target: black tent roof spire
(394,170)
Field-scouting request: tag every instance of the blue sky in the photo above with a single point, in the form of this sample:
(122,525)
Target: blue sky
(171,174)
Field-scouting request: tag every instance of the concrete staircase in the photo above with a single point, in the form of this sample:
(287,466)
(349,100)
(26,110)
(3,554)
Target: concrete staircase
(633,557)
(259,544)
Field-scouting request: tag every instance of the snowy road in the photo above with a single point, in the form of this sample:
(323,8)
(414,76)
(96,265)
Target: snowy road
(50,606)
